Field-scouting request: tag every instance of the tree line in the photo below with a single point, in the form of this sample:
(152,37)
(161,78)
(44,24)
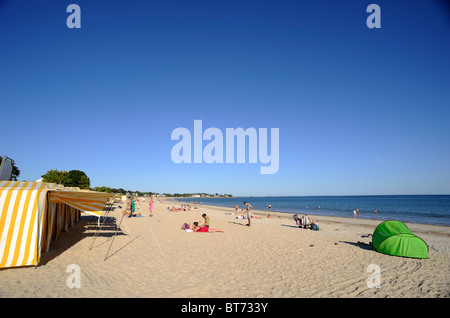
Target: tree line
(198,195)
(77,178)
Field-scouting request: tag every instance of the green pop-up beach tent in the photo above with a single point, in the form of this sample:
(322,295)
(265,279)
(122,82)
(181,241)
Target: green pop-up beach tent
(394,238)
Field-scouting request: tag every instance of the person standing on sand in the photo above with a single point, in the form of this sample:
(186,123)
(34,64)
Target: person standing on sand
(133,208)
(150,206)
(249,214)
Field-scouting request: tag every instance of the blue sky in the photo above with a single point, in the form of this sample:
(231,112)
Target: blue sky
(360,111)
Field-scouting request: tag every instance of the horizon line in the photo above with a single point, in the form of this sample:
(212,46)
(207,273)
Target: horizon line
(319,195)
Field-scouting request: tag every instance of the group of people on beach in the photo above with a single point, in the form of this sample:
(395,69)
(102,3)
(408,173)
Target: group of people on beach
(356,213)
(302,222)
(306,223)
(130,210)
(204,227)
(248,209)
(183,207)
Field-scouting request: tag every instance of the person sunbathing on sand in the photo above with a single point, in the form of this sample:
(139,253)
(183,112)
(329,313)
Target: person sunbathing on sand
(197,228)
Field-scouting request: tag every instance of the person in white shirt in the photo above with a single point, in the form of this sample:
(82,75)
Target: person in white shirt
(305,221)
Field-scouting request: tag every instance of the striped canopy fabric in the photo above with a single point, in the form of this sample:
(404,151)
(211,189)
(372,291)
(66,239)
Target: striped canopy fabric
(32,214)
(89,202)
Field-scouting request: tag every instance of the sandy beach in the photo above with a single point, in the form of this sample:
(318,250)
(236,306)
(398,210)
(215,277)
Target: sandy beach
(152,257)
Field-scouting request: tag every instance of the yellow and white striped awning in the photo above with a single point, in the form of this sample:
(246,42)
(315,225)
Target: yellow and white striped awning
(26,223)
(89,202)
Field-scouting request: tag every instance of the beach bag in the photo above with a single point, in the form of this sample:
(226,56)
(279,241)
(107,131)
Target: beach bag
(185,226)
(315,227)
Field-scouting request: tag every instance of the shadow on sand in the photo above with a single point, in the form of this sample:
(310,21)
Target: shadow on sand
(359,244)
(86,227)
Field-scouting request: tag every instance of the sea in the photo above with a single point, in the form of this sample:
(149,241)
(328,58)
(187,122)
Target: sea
(423,209)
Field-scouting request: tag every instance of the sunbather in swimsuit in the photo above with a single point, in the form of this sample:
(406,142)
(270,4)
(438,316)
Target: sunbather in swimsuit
(204,229)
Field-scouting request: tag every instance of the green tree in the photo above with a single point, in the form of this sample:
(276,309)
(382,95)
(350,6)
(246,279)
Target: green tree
(103,189)
(55,176)
(77,178)
(73,178)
